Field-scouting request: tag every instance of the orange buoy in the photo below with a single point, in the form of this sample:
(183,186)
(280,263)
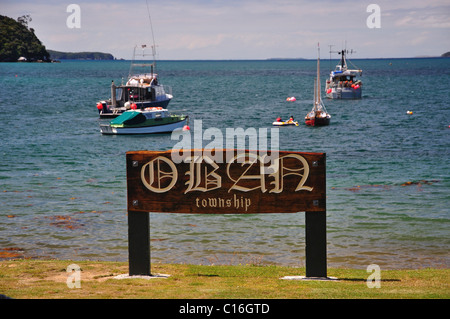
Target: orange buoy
(99,106)
(186,128)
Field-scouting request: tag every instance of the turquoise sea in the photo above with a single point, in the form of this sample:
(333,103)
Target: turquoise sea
(63,184)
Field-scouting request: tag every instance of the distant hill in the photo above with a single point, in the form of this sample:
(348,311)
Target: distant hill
(446,55)
(57,55)
(19,41)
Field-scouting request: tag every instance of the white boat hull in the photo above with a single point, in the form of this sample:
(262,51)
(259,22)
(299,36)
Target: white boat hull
(344,93)
(154,129)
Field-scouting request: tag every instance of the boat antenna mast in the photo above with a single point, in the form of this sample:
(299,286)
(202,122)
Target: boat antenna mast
(153,36)
(330,45)
(144,55)
(318,74)
(342,53)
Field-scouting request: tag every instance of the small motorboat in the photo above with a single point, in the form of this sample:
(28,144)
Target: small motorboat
(151,120)
(285,123)
(280,122)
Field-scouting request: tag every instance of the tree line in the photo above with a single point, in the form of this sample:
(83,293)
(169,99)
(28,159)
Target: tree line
(17,40)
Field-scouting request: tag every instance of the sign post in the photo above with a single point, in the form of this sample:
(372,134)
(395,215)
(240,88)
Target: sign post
(225,182)
(316,244)
(139,243)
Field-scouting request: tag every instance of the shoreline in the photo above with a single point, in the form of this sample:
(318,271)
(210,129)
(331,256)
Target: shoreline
(230,60)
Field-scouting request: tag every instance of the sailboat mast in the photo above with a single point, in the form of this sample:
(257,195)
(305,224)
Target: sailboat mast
(318,73)
(315,94)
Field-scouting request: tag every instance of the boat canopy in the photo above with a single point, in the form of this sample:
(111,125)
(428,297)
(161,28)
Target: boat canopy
(129,118)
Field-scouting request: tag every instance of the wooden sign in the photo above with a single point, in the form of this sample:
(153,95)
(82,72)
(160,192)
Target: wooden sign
(225,182)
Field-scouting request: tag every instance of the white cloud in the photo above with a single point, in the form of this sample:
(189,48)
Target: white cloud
(437,17)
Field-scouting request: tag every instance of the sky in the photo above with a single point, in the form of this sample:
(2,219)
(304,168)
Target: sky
(240,29)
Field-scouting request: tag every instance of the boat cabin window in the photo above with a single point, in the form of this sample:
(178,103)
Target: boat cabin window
(146,94)
(132,95)
(139,94)
(159,92)
(156,115)
(119,93)
(344,78)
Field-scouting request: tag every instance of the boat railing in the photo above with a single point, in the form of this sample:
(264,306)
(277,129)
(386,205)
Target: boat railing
(348,84)
(145,82)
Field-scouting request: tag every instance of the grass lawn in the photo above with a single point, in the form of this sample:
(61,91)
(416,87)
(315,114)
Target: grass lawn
(47,279)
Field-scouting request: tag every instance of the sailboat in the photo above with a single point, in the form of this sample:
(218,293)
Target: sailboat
(318,115)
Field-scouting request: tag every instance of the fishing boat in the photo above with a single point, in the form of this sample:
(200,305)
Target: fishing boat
(142,88)
(343,82)
(318,116)
(151,120)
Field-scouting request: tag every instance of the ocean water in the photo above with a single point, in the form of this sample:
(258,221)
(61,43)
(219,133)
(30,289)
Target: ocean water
(63,184)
